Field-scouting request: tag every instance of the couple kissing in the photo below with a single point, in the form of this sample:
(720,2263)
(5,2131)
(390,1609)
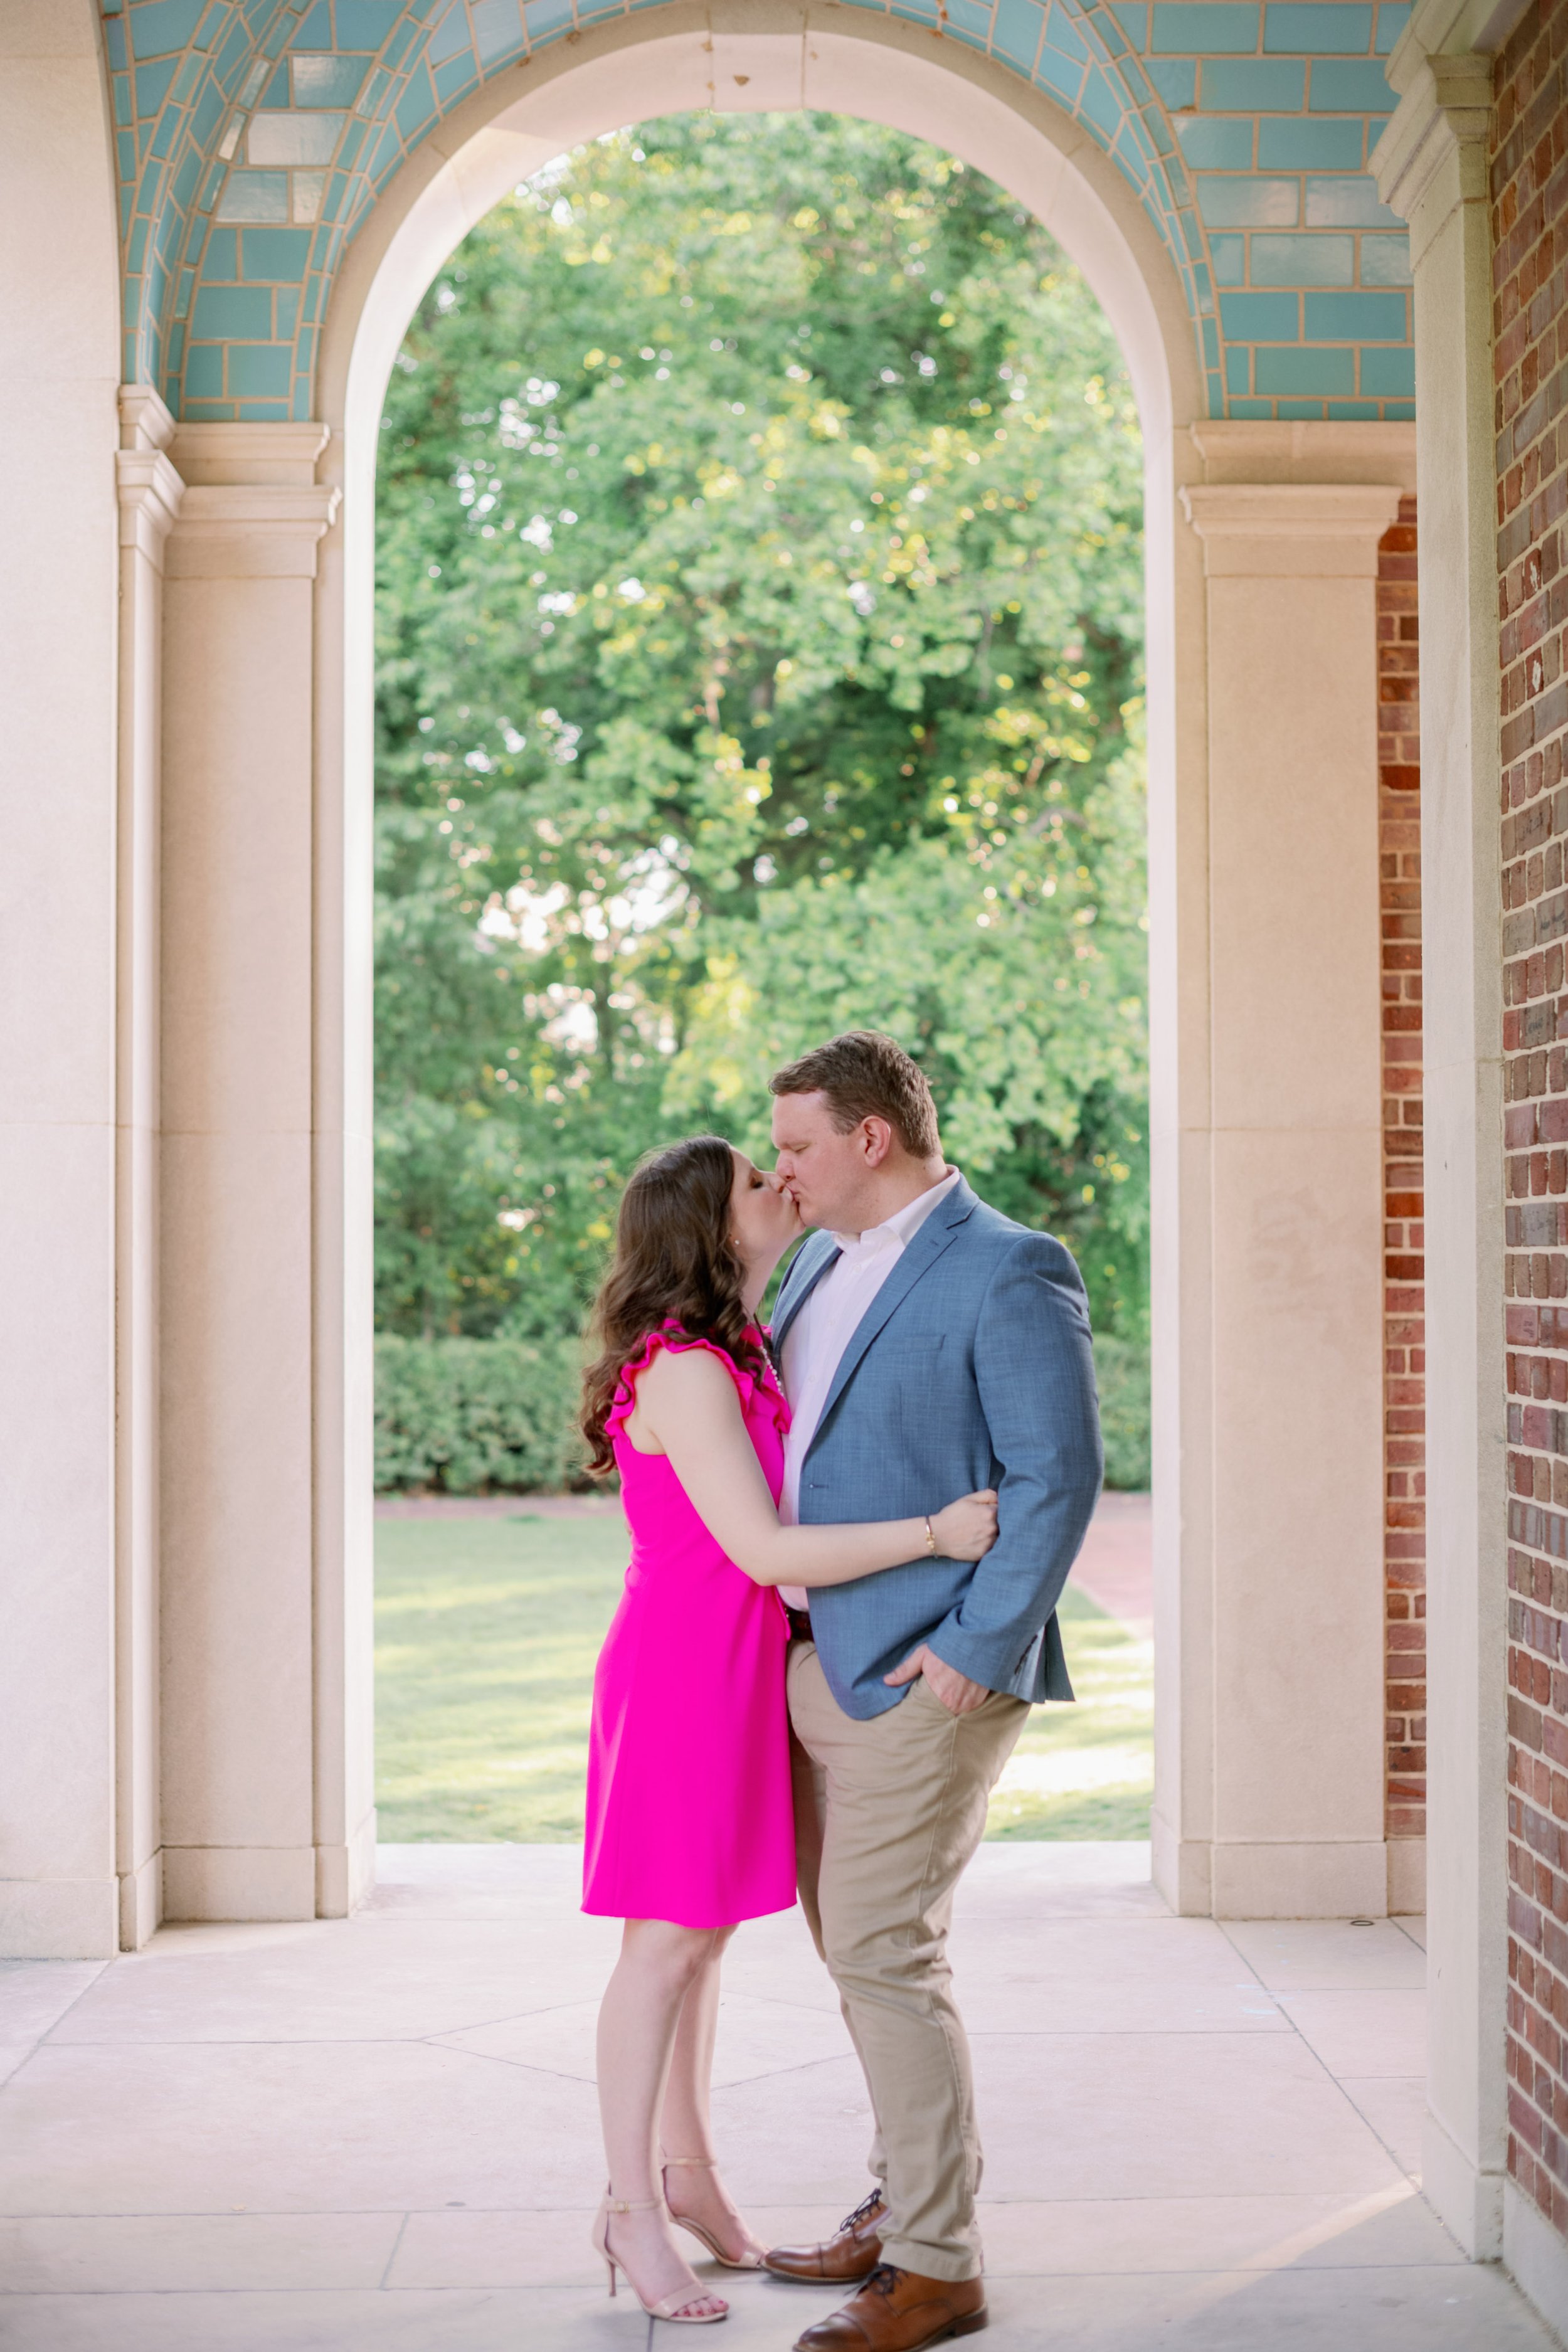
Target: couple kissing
(848,1539)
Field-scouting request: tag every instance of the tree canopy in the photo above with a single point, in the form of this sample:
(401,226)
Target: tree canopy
(759,643)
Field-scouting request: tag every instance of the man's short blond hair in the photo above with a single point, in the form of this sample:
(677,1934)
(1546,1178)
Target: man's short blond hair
(864,1075)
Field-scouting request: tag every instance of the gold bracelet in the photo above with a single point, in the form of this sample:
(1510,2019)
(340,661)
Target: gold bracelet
(930,1539)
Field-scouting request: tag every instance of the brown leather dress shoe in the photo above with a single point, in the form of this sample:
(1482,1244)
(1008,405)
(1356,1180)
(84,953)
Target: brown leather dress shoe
(898,2311)
(850,2254)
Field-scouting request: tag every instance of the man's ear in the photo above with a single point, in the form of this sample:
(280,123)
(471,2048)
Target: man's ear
(875,1140)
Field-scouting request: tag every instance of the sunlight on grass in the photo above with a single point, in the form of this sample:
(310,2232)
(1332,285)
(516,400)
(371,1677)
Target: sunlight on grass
(487,1631)
(1086,1771)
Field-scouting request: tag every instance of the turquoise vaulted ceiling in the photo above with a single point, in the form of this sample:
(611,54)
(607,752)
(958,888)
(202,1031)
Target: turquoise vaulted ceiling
(254,135)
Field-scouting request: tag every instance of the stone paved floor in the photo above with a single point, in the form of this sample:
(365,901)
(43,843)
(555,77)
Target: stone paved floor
(380,2133)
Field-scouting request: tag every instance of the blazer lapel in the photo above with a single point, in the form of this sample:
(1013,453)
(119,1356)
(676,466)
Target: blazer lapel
(934,1236)
(811,1263)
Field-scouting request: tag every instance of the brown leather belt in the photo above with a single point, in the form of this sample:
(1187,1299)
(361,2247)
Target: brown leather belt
(799,1624)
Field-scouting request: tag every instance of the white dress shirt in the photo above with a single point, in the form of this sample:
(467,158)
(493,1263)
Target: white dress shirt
(827,1322)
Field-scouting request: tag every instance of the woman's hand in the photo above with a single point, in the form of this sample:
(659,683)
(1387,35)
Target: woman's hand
(966,1529)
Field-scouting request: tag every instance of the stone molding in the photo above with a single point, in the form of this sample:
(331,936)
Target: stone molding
(1306,452)
(145,422)
(1442,68)
(1535,2255)
(1406,1877)
(1291,530)
(253,508)
(149,490)
(1432,154)
(247,530)
(1450,28)
(1320,1878)
(239,1882)
(281,455)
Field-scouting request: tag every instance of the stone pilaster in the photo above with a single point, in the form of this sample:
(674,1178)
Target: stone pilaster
(150,491)
(239,1758)
(1273,1798)
(1431,167)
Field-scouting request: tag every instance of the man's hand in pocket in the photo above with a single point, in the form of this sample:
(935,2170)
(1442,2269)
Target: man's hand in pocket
(954,1691)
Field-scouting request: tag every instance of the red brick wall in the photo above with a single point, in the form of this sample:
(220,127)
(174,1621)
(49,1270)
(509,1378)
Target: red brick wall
(1405,1381)
(1530,236)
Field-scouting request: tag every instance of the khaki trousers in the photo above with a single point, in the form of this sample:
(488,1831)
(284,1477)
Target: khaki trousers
(887,1814)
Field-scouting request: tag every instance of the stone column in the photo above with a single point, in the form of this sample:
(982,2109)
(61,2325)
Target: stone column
(1431,167)
(150,494)
(1270,1802)
(242,1770)
(59,369)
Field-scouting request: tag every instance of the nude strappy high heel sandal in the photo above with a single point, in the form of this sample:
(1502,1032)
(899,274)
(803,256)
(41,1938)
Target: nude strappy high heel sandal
(747,2261)
(673,2306)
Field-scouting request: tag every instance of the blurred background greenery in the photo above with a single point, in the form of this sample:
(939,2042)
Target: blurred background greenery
(759,610)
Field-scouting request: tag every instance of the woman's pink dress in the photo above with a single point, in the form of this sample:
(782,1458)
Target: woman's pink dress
(689,1813)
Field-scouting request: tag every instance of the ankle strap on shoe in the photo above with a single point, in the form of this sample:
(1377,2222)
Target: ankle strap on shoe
(634,2204)
(702,2163)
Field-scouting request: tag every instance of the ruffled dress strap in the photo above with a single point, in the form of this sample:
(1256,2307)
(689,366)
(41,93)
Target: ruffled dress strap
(751,1386)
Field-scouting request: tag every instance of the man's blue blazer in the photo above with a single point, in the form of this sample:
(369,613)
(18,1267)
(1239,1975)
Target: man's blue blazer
(971,1367)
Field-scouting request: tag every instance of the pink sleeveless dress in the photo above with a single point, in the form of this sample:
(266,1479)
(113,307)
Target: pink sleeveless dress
(690,1812)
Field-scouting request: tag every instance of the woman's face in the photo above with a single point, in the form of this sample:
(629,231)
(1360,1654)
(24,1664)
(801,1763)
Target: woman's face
(762,1216)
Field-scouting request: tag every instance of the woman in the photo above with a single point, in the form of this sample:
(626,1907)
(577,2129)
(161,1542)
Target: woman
(689,1827)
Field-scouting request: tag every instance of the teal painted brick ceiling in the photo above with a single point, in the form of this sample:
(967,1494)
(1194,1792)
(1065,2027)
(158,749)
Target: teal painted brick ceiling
(254,135)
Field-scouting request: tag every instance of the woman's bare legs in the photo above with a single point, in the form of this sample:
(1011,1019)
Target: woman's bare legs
(639,2019)
(685,2129)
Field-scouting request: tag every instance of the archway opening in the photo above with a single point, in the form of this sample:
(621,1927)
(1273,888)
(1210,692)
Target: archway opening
(760,653)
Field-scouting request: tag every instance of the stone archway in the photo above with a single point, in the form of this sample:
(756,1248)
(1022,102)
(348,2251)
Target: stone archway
(244,1770)
(1267,1119)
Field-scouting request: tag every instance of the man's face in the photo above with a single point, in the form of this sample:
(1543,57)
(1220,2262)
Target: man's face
(825,1173)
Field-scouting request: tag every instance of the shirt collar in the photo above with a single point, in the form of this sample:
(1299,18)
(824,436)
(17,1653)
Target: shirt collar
(900,1228)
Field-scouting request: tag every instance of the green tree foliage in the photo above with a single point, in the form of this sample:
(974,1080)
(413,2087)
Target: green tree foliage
(759,656)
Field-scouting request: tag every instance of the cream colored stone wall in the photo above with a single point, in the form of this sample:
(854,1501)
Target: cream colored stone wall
(59,373)
(1269,1648)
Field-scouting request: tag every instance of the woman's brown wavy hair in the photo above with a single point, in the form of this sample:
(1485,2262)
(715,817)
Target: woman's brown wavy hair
(674,1262)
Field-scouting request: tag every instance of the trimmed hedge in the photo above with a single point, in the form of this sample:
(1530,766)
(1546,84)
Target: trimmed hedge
(472,1416)
(468,1416)
(1121,1369)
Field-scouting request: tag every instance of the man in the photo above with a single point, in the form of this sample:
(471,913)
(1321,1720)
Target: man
(929,1348)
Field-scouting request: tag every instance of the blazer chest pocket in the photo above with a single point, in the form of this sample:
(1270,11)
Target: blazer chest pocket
(907,1364)
(902,1348)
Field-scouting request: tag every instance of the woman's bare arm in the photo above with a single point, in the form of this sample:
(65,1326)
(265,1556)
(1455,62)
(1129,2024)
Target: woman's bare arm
(687,1407)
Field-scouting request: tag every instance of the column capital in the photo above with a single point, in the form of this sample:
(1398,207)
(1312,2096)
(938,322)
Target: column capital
(1433,152)
(1450,28)
(1435,145)
(145,422)
(149,488)
(284,453)
(150,494)
(254,508)
(250,531)
(1265,449)
(1290,530)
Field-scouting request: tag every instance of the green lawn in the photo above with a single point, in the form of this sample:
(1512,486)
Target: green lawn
(486,1630)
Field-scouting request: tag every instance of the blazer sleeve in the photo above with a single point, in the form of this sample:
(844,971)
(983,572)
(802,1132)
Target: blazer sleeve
(1035,1372)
